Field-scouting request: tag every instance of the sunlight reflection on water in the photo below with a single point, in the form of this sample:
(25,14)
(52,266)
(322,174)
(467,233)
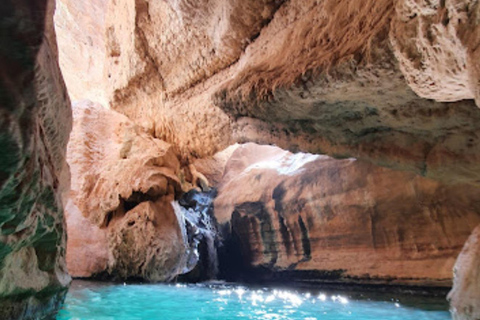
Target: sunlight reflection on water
(90,300)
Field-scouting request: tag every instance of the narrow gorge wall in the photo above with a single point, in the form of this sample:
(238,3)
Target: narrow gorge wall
(393,83)
(314,219)
(35,122)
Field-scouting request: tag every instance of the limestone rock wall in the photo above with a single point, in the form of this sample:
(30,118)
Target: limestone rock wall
(394,83)
(463,297)
(338,89)
(335,77)
(207,36)
(345,78)
(80,32)
(35,121)
(213,168)
(314,218)
(120,220)
(436,44)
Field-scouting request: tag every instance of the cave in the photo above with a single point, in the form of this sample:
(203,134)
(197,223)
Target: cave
(209,159)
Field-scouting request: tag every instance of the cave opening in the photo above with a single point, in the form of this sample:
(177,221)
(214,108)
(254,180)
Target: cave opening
(209,159)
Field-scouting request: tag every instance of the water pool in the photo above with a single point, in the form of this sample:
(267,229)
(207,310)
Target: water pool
(103,301)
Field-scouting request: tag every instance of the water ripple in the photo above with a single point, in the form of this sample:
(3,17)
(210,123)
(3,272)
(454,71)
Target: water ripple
(90,300)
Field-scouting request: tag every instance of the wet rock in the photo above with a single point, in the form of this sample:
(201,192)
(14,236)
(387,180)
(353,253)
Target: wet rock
(145,243)
(35,121)
(196,209)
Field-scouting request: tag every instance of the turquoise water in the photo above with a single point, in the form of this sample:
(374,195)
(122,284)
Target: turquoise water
(90,300)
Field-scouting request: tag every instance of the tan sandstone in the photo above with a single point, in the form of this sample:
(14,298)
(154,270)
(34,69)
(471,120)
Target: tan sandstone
(120,220)
(394,83)
(335,77)
(342,220)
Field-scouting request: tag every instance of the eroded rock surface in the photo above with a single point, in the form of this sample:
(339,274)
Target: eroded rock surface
(313,218)
(464,301)
(336,77)
(390,82)
(35,121)
(120,220)
(436,44)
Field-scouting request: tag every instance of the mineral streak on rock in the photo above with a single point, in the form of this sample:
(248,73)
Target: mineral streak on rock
(394,83)
(340,220)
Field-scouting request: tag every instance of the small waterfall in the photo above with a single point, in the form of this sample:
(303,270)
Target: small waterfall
(212,255)
(191,256)
(196,221)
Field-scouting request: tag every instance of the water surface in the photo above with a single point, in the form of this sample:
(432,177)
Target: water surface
(104,301)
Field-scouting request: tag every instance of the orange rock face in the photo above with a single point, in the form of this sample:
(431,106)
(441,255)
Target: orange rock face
(87,246)
(391,82)
(120,220)
(436,44)
(463,298)
(333,77)
(79,26)
(35,121)
(342,220)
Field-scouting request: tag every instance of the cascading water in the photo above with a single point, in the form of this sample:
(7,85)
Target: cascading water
(196,221)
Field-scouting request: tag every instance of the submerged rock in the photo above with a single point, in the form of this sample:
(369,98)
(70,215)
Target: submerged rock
(310,218)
